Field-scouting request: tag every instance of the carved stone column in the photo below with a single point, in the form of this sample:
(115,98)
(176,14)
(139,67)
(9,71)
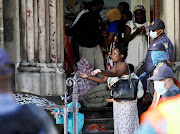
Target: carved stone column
(52,8)
(43,72)
(23,31)
(30,30)
(47,31)
(42,30)
(36,31)
(60,31)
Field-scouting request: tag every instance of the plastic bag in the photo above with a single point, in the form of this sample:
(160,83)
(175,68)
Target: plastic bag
(70,119)
(80,122)
(61,119)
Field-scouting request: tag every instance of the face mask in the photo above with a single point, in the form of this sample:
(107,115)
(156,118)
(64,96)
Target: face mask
(157,56)
(153,34)
(160,89)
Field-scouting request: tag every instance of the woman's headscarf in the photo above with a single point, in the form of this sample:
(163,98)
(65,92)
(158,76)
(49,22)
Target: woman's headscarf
(139,7)
(113,14)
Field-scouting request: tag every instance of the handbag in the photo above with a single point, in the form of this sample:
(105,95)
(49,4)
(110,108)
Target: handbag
(125,89)
(140,68)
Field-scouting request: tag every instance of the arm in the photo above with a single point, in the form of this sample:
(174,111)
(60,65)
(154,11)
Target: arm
(118,71)
(128,36)
(170,63)
(112,31)
(169,53)
(108,39)
(96,79)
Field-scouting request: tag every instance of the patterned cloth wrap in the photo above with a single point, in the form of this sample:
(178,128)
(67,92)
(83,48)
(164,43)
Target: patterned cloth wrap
(109,62)
(84,67)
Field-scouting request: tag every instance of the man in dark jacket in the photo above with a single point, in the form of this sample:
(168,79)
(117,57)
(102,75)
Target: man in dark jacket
(89,30)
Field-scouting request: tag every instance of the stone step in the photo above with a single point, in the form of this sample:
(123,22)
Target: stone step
(98,124)
(96,113)
(95,109)
(98,132)
(102,120)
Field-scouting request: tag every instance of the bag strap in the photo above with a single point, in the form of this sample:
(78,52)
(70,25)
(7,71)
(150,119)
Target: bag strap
(129,75)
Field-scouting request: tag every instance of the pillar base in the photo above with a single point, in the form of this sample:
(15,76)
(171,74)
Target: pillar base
(41,79)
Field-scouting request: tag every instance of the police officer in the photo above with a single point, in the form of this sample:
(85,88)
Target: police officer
(157,54)
(19,119)
(166,114)
(163,83)
(158,36)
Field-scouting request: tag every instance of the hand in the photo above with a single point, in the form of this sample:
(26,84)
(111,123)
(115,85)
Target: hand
(83,75)
(140,30)
(143,30)
(52,113)
(104,33)
(110,100)
(95,72)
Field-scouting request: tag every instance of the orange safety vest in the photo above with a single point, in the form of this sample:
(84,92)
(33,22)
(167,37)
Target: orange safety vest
(165,118)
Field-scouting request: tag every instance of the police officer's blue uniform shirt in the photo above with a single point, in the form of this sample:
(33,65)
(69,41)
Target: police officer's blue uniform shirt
(169,52)
(174,88)
(8,104)
(173,91)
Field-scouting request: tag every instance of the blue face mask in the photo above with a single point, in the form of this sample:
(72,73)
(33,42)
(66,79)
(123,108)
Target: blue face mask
(157,56)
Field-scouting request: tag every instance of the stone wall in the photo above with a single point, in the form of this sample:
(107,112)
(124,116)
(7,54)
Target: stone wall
(11,29)
(170,14)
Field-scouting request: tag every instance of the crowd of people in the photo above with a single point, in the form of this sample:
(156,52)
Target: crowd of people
(120,44)
(113,49)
